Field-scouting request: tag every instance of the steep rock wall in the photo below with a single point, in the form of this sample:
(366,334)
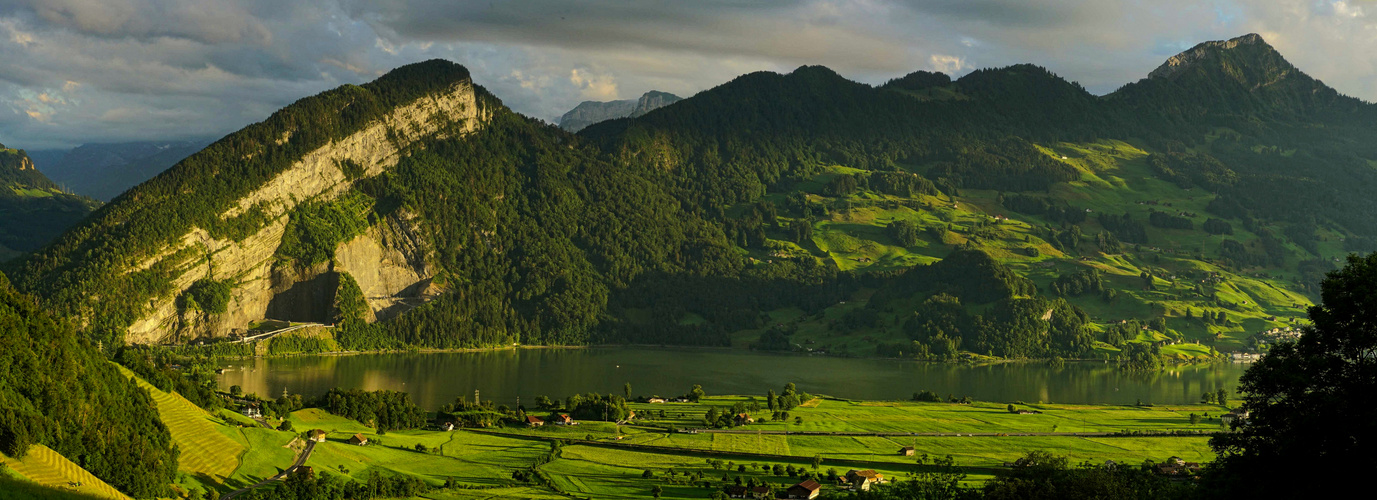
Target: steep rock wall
(390,258)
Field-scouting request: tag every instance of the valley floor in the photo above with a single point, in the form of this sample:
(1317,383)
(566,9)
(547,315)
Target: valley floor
(225,452)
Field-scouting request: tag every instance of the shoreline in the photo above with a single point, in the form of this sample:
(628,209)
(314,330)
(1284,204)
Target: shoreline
(1167,363)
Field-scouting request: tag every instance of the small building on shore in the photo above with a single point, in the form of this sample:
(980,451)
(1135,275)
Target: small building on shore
(358,439)
(318,436)
(906,451)
(534,421)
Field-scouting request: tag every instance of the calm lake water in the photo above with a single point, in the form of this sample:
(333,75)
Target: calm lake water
(434,379)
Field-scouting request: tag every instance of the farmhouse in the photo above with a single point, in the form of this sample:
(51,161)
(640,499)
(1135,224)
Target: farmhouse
(906,451)
(862,479)
(565,419)
(1235,415)
(655,400)
(743,419)
(358,439)
(534,421)
(806,490)
(252,411)
(318,436)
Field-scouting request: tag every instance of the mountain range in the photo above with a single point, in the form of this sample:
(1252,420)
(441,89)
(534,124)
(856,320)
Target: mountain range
(104,170)
(590,112)
(1225,183)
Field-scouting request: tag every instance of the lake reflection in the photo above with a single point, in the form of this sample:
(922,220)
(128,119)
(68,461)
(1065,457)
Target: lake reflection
(434,379)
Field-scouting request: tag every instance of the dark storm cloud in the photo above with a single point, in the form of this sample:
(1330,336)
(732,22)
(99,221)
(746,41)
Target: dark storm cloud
(74,71)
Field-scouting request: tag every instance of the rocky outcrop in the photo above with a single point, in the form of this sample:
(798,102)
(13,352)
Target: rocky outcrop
(590,112)
(653,100)
(390,260)
(392,265)
(1177,63)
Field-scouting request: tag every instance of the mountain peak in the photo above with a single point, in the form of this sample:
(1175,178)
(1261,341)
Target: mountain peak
(1246,50)
(590,112)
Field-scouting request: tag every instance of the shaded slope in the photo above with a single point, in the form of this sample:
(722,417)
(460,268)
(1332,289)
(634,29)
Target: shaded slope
(33,210)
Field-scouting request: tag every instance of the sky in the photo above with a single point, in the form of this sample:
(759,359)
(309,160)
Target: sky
(83,71)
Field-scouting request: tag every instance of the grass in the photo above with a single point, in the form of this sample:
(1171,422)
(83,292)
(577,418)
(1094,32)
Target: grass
(47,468)
(832,415)
(206,451)
(471,459)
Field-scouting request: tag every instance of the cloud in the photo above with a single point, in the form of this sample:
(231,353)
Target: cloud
(78,71)
(950,65)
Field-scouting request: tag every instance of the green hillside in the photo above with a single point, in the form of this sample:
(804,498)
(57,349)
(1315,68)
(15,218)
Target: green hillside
(33,210)
(57,390)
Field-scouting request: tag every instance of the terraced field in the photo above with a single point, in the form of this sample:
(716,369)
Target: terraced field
(205,450)
(46,467)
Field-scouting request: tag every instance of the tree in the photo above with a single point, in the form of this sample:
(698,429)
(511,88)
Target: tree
(656,491)
(903,232)
(1195,419)
(696,393)
(647,474)
(236,391)
(627,390)
(1011,408)
(1309,402)
(1221,396)
(817,461)
(286,425)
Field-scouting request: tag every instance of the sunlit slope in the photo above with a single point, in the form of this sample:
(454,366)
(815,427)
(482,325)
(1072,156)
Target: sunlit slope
(205,450)
(46,467)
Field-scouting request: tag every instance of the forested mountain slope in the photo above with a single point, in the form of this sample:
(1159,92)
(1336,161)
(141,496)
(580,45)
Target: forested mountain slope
(366,201)
(58,390)
(33,210)
(1208,198)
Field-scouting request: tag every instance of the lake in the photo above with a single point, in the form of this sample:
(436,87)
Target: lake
(502,376)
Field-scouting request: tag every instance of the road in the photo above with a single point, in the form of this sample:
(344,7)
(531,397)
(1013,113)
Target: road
(301,460)
(279,331)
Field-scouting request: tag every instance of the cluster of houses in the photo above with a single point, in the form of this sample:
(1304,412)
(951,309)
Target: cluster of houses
(318,435)
(560,419)
(859,480)
(663,400)
(806,490)
(1275,335)
(1177,467)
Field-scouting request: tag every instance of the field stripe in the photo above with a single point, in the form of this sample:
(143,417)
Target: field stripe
(46,467)
(205,450)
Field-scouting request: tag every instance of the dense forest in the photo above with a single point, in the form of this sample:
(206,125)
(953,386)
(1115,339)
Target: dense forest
(60,391)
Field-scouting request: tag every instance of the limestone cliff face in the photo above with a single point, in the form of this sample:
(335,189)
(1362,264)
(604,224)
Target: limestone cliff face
(390,261)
